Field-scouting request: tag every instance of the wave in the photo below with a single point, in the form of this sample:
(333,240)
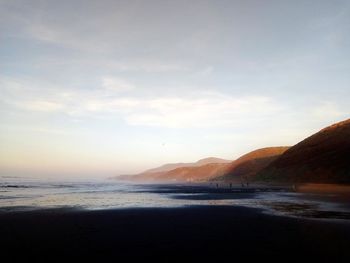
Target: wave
(15,186)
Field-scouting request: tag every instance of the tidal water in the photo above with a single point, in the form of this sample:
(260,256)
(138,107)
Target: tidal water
(21,194)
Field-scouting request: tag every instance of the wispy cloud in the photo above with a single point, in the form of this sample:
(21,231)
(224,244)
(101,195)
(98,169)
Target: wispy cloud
(193,109)
(116,84)
(150,65)
(117,98)
(327,110)
(42,105)
(215,110)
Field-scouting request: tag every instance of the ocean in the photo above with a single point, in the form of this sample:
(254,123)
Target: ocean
(22,194)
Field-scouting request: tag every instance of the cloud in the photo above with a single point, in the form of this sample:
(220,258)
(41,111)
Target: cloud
(327,110)
(116,84)
(193,109)
(204,110)
(44,106)
(200,111)
(68,37)
(150,65)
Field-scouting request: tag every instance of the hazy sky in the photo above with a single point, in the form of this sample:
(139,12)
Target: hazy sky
(106,87)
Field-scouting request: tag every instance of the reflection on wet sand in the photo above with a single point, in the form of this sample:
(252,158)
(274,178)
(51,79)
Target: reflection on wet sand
(275,200)
(308,210)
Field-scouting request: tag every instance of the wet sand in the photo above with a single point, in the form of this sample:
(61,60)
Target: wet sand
(170,235)
(324,188)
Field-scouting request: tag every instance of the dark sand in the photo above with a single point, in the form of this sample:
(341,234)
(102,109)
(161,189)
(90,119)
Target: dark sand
(213,233)
(324,188)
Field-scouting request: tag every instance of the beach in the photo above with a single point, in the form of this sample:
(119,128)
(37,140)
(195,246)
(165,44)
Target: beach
(169,234)
(214,224)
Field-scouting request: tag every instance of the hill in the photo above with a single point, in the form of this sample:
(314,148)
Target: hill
(321,158)
(203,168)
(247,166)
(195,173)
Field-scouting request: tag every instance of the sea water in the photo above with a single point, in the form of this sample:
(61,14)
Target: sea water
(21,193)
(31,193)
(18,193)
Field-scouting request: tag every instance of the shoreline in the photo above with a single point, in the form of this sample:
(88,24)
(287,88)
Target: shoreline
(326,188)
(323,188)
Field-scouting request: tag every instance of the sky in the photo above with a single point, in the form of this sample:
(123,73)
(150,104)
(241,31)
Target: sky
(101,88)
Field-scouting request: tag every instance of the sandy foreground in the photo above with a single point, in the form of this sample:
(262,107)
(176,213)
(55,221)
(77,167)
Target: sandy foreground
(324,188)
(170,235)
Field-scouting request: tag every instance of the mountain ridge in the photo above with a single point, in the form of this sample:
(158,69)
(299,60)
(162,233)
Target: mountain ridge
(248,165)
(163,172)
(323,157)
